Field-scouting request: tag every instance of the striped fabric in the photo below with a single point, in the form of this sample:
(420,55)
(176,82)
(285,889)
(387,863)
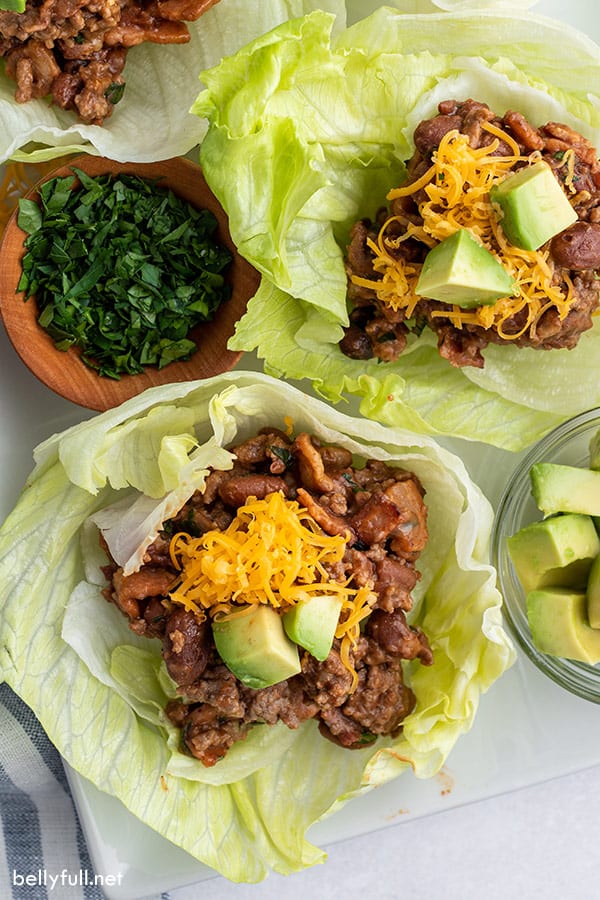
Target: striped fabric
(43,855)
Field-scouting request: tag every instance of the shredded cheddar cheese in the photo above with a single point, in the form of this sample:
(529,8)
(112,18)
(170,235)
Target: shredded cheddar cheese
(272,553)
(457,186)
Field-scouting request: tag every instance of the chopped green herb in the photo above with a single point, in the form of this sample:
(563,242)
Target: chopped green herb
(122,269)
(366,738)
(347,477)
(281,453)
(114,92)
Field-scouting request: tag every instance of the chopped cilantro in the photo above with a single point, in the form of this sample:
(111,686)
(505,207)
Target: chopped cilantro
(282,453)
(385,337)
(122,269)
(114,92)
(347,477)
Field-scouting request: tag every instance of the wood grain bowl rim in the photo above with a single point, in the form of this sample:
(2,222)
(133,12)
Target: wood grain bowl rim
(63,371)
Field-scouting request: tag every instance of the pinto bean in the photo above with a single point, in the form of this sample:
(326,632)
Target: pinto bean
(186,646)
(578,247)
(429,133)
(235,491)
(356,344)
(394,635)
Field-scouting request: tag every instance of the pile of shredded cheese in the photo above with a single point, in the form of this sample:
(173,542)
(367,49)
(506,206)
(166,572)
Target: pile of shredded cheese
(272,553)
(457,186)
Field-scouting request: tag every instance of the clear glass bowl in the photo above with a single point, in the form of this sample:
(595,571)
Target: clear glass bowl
(569,445)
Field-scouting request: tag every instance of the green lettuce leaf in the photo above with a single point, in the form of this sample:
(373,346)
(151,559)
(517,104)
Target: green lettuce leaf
(335,126)
(152,121)
(99,690)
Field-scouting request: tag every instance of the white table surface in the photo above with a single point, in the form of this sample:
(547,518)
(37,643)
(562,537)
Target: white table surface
(539,842)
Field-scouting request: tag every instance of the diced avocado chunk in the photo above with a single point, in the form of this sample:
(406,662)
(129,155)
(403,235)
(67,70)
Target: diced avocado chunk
(255,647)
(461,271)
(593,594)
(312,624)
(558,622)
(14,5)
(559,488)
(556,551)
(534,206)
(595,451)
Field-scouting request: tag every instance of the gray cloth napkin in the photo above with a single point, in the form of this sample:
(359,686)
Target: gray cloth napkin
(41,836)
(43,854)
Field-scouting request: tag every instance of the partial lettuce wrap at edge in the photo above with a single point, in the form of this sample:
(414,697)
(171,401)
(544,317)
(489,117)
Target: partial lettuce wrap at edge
(152,121)
(110,731)
(309,130)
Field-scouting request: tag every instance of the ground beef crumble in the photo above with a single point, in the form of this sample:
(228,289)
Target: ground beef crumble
(382,508)
(377,331)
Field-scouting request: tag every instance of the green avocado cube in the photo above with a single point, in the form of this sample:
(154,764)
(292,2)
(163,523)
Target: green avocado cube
(312,624)
(568,489)
(255,647)
(557,551)
(558,623)
(533,206)
(13,5)
(461,271)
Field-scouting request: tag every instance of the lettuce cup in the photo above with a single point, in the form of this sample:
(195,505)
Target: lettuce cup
(151,119)
(104,680)
(346,126)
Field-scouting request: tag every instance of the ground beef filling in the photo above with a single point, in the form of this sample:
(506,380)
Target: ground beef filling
(383,509)
(376,330)
(74,51)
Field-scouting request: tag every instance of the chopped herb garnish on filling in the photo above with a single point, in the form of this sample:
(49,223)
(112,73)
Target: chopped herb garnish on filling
(122,269)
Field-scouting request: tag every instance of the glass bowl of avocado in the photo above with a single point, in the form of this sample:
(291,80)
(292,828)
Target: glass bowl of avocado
(546,550)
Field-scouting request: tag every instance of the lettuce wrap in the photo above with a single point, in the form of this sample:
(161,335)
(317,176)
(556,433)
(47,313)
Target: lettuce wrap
(309,130)
(152,121)
(99,690)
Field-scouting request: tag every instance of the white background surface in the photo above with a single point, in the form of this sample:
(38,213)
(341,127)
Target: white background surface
(540,842)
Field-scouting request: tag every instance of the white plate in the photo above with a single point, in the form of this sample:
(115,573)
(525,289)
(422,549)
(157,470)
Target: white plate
(527,730)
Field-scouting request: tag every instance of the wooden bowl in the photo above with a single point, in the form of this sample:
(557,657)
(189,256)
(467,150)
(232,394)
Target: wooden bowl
(63,371)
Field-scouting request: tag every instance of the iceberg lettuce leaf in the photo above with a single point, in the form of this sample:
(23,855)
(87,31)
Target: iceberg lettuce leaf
(419,390)
(66,652)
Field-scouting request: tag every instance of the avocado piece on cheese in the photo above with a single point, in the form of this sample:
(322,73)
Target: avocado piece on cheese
(255,647)
(569,489)
(312,624)
(461,271)
(556,551)
(559,626)
(593,594)
(533,206)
